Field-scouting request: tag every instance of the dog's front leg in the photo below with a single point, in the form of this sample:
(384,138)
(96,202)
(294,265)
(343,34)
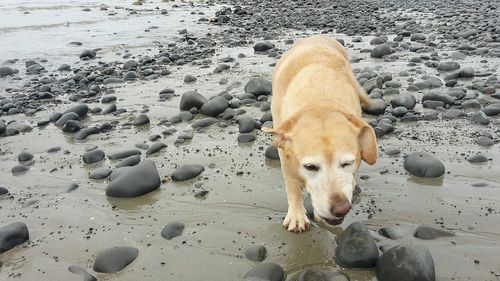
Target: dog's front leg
(296,219)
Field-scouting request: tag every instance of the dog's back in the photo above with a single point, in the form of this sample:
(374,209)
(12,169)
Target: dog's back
(313,72)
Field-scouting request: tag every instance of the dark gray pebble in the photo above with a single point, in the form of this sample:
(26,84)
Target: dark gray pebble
(356,247)
(266,271)
(24,156)
(187,172)
(123,154)
(424,165)
(135,181)
(12,235)
(172,230)
(408,261)
(93,156)
(115,259)
(100,173)
(256,253)
(155,147)
(428,232)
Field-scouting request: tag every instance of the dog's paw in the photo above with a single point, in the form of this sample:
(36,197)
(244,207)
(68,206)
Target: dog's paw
(296,222)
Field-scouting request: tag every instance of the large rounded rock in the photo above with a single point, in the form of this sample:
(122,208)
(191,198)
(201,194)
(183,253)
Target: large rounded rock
(408,261)
(115,259)
(172,230)
(93,156)
(258,86)
(424,165)
(138,180)
(12,235)
(356,247)
(214,107)
(267,272)
(192,99)
(187,172)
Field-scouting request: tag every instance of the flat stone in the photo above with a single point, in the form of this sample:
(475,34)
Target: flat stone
(82,272)
(187,172)
(115,259)
(155,147)
(205,122)
(424,165)
(100,173)
(428,232)
(258,86)
(24,156)
(478,158)
(123,154)
(129,161)
(172,230)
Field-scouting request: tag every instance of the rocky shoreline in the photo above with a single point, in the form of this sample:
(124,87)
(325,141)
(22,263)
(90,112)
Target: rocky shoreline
(154,165)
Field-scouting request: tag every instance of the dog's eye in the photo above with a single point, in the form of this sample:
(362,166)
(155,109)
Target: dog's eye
(346,164)
(311,167)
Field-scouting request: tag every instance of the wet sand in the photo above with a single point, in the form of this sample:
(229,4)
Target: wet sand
(246,202)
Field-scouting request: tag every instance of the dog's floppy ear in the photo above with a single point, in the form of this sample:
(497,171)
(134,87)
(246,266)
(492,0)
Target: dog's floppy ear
(367,140)
(282,133)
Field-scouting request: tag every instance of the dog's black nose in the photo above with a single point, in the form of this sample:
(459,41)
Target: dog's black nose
(340,210)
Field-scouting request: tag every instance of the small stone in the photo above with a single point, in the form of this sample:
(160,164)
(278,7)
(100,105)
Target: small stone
(390,233)
(381,50)
(205,122)
(187,172)
(24,156)
(266,271)
(129,161)
(214,107)
(123,154)
(429,232)
(93,156)
(155,147)
(405,100)
(356,247)
(484,141)
(263,46)
(19,169)
(448,66)
(480,118)
(192,99)
(247,124)
(478,158)
(115,259)
(100,173)
(258,86)
(190,78)
(424,165)
(256,253)
(142,119)
(376,107)
(82,272)
(272,153)
(246,138)
(172,230)
(12,235)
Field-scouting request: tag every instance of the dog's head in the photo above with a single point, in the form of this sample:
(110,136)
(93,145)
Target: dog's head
(327,149)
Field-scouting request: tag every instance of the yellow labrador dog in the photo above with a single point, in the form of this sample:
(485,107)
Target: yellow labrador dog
(318,129)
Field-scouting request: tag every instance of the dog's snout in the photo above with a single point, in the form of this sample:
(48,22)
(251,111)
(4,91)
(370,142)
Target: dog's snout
(340,210)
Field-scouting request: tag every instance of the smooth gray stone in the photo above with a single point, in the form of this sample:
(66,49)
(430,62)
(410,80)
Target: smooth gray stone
(123,154)
(266,271)
(12,235)
(172,230)
(356,247)
(93,156)
(408,261)
(115,259)
(135,181)
(428,232)
(155,147)
(424,165)
(187,172)
(100,173)
(129,161)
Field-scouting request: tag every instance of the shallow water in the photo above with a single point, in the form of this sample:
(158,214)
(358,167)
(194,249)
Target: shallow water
(240,210)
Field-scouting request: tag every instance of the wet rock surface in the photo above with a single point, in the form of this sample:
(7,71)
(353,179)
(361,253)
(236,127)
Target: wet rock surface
(13,234)
(356,247)
(115,259)
(138,180)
